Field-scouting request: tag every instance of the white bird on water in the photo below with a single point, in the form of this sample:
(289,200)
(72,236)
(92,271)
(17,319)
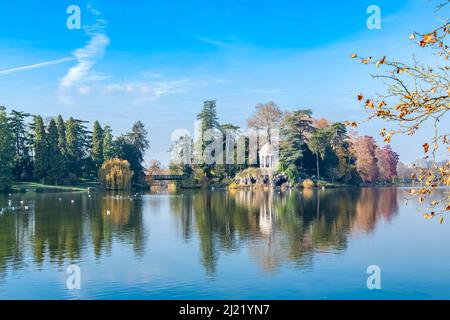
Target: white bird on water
(21,202)
(108,212)
(72,201)
(9,203)
(27,208)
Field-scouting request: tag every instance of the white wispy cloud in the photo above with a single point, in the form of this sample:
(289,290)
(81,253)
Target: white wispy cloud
(146,91)
(36,65)
(80,78)
(213,42)
(233,44)
(86,57)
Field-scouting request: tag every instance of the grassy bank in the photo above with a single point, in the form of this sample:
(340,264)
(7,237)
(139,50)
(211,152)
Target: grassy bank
(38,187)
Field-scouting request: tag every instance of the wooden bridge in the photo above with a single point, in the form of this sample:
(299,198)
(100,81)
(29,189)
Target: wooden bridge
(166,177)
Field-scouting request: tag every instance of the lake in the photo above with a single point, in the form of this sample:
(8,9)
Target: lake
(311,244)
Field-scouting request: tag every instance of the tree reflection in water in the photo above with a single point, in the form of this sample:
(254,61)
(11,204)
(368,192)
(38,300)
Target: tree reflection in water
(61,231)
(277,228)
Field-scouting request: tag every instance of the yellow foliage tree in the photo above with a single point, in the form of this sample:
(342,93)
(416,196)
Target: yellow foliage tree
(115,174)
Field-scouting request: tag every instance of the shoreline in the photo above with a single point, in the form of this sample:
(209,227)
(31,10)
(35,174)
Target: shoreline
(34,187)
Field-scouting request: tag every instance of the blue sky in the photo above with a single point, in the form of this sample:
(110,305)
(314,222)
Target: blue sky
(157,61)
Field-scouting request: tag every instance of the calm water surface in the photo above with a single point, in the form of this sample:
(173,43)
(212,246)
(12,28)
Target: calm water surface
(222,245)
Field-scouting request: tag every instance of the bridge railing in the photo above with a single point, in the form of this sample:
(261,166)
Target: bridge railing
(165,177)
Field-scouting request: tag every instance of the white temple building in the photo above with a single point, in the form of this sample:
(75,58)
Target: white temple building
(268,159)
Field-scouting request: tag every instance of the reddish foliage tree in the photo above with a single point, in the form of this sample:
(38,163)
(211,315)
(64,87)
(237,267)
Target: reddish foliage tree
(364,148)
(387,163)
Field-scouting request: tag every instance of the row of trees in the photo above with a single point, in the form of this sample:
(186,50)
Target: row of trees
(63,152)
(308,147)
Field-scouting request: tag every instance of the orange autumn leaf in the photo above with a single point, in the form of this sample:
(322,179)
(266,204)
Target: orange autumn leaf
(427,216)
(381,104)
(380,61)
(369,103)
(360,97)
(412,36)
(400,70)
(354,55)
(426,146)
(427,39)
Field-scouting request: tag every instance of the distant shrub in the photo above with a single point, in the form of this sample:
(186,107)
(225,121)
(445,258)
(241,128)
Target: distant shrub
(308,184)
(233,186)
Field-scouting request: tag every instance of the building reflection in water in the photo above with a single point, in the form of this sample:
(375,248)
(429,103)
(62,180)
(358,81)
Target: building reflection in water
(281,227)
(276,228)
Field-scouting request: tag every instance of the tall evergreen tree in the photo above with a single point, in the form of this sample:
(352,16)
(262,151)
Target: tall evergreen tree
(62,146)
(22,158)
(107,144)
(6,151)
(208,121)
(77,142)
(138,139)
(97,144)
(55,173)
(40,150)
(297,126)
